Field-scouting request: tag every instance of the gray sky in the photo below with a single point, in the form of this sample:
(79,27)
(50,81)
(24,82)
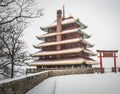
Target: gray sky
(101,16)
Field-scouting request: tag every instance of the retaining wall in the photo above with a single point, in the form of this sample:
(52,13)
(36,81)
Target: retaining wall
(24,84)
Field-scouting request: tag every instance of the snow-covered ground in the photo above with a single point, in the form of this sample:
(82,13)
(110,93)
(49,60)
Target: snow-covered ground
(107,83)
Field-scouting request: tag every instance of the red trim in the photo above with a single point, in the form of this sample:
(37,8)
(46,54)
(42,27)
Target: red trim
(114,61)
(107,50)
(101,69)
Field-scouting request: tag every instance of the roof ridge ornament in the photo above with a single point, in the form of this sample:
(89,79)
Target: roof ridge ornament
(70,16)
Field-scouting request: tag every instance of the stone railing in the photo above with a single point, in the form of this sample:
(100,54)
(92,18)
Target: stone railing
(24,84)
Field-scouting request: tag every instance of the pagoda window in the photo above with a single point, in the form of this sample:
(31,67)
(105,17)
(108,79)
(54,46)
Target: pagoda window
(50,56)
(63,46)
(68,26)
(64,37)
(50,39)
(51,30)
(73,55)
(54,57)
(49,48)
(71,35)
(43,57)
(40,57)
(82,45)
(64,27)
(77,26)
(73,25)
(80,35)
(71,45)
(64,56)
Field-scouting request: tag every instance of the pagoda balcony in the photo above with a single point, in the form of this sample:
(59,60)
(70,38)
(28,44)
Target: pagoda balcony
(45,44)
(85,35)
(47,53)
(68,61)
(66,51)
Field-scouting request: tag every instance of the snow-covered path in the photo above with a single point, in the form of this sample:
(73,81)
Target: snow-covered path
(108,83)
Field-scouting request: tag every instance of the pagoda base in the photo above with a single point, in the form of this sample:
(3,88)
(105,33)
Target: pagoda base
(54,67)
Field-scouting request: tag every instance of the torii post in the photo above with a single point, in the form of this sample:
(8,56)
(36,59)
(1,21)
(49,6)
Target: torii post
(107,53)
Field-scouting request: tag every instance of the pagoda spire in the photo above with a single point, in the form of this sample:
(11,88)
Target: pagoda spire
(63,13)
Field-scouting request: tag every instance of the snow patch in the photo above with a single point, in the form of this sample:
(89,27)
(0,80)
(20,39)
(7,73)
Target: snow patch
(107,83)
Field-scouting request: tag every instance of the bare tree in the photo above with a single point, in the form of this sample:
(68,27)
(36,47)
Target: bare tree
(18,10)
(14,15)
(12,49)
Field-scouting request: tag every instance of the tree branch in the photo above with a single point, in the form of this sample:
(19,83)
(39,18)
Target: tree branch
(4,65)
(4,5)
(6,44)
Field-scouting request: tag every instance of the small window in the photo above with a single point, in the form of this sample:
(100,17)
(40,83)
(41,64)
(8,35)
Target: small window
(71,35)
(50,56)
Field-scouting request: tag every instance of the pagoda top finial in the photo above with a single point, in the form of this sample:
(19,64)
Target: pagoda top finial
(63,13)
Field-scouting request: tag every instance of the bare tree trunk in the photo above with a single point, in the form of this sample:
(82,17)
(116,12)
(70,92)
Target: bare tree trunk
(12,68)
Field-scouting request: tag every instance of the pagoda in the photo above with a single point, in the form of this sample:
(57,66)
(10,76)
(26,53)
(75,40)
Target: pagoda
(64,45)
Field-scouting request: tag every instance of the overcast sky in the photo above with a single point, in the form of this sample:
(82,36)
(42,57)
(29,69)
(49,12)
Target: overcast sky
(101,16)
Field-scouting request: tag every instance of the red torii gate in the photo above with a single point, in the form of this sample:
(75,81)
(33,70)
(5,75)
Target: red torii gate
(107,53)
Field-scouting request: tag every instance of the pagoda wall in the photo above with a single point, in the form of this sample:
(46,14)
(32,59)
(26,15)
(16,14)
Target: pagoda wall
(64,27)
(50,39)
(70,26)
(65,56)
(69,36)
(63,37)
(64,46)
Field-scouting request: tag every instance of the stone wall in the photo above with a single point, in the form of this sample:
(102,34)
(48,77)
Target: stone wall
(24,84)
(70,72)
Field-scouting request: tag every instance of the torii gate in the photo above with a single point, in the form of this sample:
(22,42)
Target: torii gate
(107,53)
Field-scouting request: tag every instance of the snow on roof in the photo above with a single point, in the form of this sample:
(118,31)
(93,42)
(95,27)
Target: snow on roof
(44,44)
(56,43)
(90,52)
(61,62)
(90,62)
(64,32)
(58,33)
(45,53)
(58,62)
(86,42)
(85,34)
(66,21)
(66,51)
